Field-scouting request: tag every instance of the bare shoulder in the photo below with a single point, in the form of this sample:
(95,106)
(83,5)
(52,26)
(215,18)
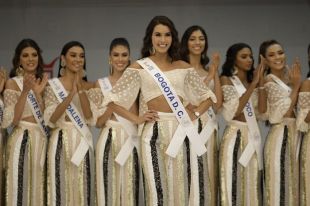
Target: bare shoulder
(88,85)
(11,84)
(225,80)
(305,86)
(181,64)
(135,65)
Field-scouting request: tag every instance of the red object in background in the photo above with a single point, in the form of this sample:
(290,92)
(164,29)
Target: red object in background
(48,68)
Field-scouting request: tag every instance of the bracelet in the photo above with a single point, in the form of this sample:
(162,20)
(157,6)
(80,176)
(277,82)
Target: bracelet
(261,87)
(81,91)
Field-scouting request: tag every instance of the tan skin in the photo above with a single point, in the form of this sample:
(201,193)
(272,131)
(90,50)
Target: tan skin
(275,59)
(72,81)
(161,40)
(29,62)
(3,78)
(196,45)
(243,63)
(119,59)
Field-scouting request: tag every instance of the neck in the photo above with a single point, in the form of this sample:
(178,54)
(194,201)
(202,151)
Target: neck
(161,57)
(69,75)
(116,75)
(242,75)
(277,73)
(195,61)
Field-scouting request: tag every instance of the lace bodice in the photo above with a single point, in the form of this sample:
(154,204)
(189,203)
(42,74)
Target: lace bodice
(278,103)
(51,103)
(186,83)
(10,99)
(303,106)
(231,102)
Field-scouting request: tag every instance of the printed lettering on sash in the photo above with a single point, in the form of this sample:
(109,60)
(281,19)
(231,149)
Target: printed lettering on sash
(186,127)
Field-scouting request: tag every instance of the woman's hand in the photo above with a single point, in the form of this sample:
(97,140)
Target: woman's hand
(148,116)
(213,67)
(40,84)
(28,82)
(295,74)
(3,78)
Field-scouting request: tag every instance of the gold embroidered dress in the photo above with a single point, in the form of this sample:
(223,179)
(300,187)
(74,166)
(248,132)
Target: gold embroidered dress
(239,185)
(68,184)
(25,156)
(165,178)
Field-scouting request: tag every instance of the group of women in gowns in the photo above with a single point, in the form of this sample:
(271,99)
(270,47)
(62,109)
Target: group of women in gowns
(159,142)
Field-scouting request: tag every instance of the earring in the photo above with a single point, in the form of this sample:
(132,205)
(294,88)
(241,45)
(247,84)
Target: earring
(235,72)
(110,66)
(62,69)
(152,51)
(83,73)
(20,71)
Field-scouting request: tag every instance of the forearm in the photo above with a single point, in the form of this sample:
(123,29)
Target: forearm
(262,100)
(104,117)
(293,97)
(40,101)
(61,108)
(204,106)
(218,92)
(85,105)
(123,112)
(245,98)
(19,107)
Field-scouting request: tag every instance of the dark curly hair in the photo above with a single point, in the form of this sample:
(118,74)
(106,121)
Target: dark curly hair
(147,40)
(231,54)
(64,51)
(184,51)
(16,59)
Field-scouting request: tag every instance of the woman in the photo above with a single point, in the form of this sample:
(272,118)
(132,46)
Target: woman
(2,135)
(117,182)
(302,122)
(194,46)
(282,143)
(70,151)
(26,145)
(165,175)
(240,177)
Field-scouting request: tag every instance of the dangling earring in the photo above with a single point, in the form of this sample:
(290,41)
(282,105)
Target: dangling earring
(152,51)
(62,69)
(111,68)
(20,71)
(83,73)
(235,72)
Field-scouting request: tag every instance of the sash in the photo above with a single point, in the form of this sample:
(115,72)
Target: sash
(38,115)
(211,125)
(132,131)
(288,90)
(254,144)
(186,126)
(76,119)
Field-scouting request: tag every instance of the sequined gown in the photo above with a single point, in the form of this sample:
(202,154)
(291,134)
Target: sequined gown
(67,184)
(281,161)
(165,178)
(25,157)
(239,185)
(303,110)
(204,169)
(115,184)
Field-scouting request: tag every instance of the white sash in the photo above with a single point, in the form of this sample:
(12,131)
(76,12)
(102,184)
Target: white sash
(254,144)
(211,125)
(288,90)
(186,126)
(76,119)
(36,112)
(132,131)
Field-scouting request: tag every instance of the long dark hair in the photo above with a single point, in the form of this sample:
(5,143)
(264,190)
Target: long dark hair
(231,55)
(16,59)
(308,75)
(263,49)
(147,40)
(184,51)
(64,51)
